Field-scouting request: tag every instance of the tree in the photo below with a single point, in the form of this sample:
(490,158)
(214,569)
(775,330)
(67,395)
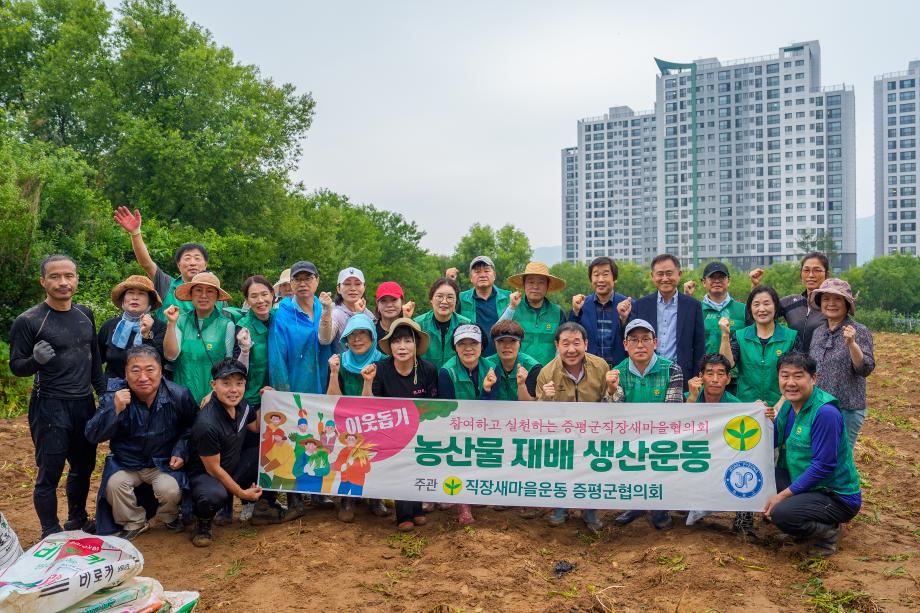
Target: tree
(508,247)
(811,240)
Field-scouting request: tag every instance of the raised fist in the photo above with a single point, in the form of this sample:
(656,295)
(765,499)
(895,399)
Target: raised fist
(690,287)
(408,309)
(613,380)
(325,299)
(549,391)
(146,325)
(42,352)
(514,299)
(694,386)
(452,273)
(578,301)
(489,380)
(172,314)
(756,276)
(122,400)
(244,339)
(334,364)
(624,308)
(725,325)
(369,372)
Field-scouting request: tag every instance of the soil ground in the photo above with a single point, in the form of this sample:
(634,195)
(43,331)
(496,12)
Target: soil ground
(505,563)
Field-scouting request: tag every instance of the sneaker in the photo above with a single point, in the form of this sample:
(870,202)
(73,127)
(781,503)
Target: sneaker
(203,536)
(246,511)
(531,512)
(405,526)
(266,512)
(589,516)
(557,518)
(130,535)
(661,520)
(175,525)
(826,543)
(53,530)
(420,520)
(78,524)
(624,519)
(465,515)
(379,508)
(695,516)
(347,511)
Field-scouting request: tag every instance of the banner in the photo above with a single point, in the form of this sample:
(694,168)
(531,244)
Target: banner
(707,457)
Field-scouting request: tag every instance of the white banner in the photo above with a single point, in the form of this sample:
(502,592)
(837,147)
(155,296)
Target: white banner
(710,457)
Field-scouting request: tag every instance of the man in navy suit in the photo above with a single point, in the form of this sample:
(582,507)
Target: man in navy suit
(603,314)
(678,318)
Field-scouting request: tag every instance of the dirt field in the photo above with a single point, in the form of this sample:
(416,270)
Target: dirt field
(505,563)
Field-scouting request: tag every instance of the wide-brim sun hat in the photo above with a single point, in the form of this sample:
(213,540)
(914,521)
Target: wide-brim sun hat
(138,282)
(537,268)
(838,287)
(209,279)
(267,418)
(422,340)
(284,278)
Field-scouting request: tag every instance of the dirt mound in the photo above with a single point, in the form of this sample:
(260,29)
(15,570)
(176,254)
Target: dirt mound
(506,563)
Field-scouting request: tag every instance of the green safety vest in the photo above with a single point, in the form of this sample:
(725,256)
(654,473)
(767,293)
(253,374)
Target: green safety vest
(757,379)
(795,451)
(726,397)
(200,352)
(439,350)
(507,382)
(353,382)
(539,329)
(652,387)
(463,386)
(734,310)
(468,303)
(170,299)
(258,356)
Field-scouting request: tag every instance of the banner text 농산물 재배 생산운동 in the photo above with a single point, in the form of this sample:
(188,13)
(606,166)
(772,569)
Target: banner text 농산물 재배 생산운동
(713,457)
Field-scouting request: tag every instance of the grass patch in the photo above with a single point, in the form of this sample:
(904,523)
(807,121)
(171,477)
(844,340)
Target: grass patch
(818,596)
(235,567)
(674,563)
(813,566)
(572,592)
(409,545)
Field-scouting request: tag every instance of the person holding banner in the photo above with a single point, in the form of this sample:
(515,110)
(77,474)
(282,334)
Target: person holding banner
(404,375)
(645,376)
(351,373)
(817,480)
(440,322)
(575,375)
(538,316)
(754,350)
(218,466)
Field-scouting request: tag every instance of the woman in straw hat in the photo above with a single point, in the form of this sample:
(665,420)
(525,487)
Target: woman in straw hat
(136,297)
(538,316)
(198,340)
(844,353)
(404,375)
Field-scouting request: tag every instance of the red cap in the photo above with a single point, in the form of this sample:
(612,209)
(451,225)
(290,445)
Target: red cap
(389,288)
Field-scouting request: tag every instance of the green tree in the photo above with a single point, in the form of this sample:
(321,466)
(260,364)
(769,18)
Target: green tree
(889,282)
(508,247)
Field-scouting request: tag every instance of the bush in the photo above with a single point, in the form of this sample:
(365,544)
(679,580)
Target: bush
(879,320)
(14,391)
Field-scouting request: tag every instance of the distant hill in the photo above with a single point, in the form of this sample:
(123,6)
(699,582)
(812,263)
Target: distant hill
(548,255)
(865,239)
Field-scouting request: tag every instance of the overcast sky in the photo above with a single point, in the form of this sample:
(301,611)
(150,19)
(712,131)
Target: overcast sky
(455,113)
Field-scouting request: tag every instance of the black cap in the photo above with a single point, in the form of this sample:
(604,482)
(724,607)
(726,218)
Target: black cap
(303,266)
(228,367)
(714,267)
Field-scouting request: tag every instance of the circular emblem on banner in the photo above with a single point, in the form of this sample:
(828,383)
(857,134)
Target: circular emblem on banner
(743,480)
(742,433)
(452,486)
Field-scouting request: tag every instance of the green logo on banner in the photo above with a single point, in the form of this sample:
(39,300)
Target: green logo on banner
(742,433)
(452,486)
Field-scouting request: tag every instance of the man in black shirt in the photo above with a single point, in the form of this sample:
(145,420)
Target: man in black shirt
(55,341)
(218,466)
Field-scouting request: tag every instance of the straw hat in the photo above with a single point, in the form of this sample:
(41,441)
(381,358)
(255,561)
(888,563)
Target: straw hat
(139,282)
(537,268)
(422,337)
(284,278)
(268,417)
(838,287)
(209,279)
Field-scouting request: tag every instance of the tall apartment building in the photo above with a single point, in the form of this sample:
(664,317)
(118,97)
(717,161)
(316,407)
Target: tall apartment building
(750,156)
(571,219)
(896,161)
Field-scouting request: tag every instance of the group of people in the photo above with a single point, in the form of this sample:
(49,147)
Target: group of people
(180,372)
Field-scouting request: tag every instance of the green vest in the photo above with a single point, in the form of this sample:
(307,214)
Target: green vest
(734,310)
(507,382)
(463,386)
(726,397)
(353,383)
(539,329)
(439,350)
(653,387)
(468,303)
(200,352)
(795,452)
(258,356)
(170,299)
(757,379)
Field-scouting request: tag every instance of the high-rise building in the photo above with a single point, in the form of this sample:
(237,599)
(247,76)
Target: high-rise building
(896,161)
(746,161)
(571,229)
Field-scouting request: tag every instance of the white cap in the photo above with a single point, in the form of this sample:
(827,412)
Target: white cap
(347,273)
(467,331)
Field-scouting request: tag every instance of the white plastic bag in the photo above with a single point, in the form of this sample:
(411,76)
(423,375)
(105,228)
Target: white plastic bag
(64,568)
(10,549)
(136,595)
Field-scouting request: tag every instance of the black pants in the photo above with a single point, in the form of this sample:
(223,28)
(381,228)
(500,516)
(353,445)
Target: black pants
(406,510)
(57,433)
(209,495)
(803,514)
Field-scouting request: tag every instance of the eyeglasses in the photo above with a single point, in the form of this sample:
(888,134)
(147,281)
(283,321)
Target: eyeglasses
(444,298)
(302,280)
(813,271)
(645,340)
(664,274)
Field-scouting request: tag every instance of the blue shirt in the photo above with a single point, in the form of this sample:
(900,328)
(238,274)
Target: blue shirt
(486,316)
(605,314)
(297,361)
(825,435)
(667,327)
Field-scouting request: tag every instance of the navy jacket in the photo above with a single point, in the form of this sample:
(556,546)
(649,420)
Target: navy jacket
(141,438)
(691,336)
(588,319)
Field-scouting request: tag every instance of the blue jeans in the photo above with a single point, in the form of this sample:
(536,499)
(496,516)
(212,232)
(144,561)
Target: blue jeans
(853,420)
(347,487)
